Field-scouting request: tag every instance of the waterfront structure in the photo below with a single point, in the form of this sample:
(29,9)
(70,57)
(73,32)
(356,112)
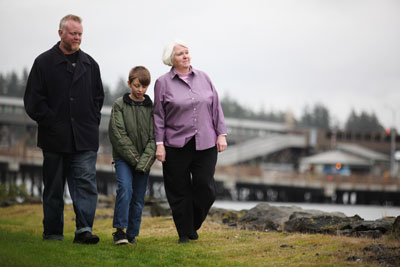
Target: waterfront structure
(263,162)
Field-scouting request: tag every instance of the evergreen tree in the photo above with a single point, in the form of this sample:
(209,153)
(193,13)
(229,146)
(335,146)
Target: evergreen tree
(121,89)
(319,117)
(363,123)
(3,89)
(12,84)
(232,109)
(107,96)
(22,82)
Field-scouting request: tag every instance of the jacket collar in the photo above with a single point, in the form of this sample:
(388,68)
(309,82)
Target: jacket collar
(146,102)
(82,57)
(81,65)
(173,73)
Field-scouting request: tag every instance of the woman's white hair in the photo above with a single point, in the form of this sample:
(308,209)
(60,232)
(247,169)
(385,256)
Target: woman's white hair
(168,53)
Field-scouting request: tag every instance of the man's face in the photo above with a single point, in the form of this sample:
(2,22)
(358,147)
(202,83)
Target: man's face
(71,37)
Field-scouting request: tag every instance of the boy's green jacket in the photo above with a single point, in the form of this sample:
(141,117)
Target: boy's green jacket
(131,132)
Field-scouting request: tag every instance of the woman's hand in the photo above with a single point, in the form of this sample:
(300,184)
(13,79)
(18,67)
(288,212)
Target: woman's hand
(160,153)
(221,143)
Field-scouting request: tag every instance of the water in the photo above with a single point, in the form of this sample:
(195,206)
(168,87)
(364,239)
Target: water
(364,211)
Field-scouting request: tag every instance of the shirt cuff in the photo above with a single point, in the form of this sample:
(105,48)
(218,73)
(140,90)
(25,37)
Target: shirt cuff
(159,143)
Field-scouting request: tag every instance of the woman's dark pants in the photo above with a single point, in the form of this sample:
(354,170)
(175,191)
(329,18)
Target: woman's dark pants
(189,185)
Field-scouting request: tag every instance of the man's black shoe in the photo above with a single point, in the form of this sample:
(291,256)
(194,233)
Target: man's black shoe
(183,239)
(86,238)
(53,237)
(194,236)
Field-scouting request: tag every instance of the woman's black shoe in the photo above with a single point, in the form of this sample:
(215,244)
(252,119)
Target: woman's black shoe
(194,236)
(183,239)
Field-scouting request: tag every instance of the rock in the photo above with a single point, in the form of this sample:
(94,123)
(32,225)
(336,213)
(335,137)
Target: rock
(374,248)
(228,217)
(324,224)
(383,255)
(396,228)
(371,229)
(369,234)
(265,217)
(353,258)
(294,219)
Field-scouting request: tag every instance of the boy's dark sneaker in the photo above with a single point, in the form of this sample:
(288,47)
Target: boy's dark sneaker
(132,239)
(86,238)
(120,238)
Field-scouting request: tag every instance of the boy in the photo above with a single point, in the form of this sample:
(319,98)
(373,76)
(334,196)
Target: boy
(132,138)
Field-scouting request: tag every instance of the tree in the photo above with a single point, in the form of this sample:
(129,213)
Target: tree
(233,109)
(12,84)
(363,123)
(22,82)
(120,90)
(2,85)
(107,96)
(319,117)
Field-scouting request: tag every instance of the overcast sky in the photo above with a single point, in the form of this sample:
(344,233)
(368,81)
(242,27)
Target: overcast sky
(273,54)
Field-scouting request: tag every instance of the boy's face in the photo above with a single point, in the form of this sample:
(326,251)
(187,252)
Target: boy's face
(137,90)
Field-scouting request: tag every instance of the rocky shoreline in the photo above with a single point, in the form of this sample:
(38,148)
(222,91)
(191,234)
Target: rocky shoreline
(267,218)
(293,219)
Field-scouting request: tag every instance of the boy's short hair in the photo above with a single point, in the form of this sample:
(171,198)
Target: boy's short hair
(141,73)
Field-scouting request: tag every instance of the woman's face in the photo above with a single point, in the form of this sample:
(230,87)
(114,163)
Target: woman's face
(181,58)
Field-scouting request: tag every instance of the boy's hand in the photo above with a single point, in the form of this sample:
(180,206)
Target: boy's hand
(160,153)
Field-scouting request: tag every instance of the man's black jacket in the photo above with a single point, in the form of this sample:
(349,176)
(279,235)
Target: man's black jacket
(65,101)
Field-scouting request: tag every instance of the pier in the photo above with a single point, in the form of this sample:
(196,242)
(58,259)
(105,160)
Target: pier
(262,163)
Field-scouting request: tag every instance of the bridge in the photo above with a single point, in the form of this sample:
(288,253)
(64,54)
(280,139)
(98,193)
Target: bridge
(260,147)
(241,173)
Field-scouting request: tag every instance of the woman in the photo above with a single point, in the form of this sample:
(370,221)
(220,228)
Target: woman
(189,129)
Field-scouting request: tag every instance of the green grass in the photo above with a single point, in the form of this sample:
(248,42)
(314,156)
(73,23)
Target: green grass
(21,245)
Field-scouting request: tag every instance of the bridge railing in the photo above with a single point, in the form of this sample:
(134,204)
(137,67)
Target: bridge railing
(245,173)
(19,152)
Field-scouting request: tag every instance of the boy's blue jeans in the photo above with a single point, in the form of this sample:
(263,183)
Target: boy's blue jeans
(129,203)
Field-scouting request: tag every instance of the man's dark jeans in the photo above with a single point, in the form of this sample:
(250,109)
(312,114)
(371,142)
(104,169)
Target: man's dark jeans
(79,170)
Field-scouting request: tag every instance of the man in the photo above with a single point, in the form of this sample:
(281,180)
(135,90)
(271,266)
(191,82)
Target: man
(64,95)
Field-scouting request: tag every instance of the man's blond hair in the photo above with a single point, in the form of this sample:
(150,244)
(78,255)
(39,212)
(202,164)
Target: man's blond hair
(64,20)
